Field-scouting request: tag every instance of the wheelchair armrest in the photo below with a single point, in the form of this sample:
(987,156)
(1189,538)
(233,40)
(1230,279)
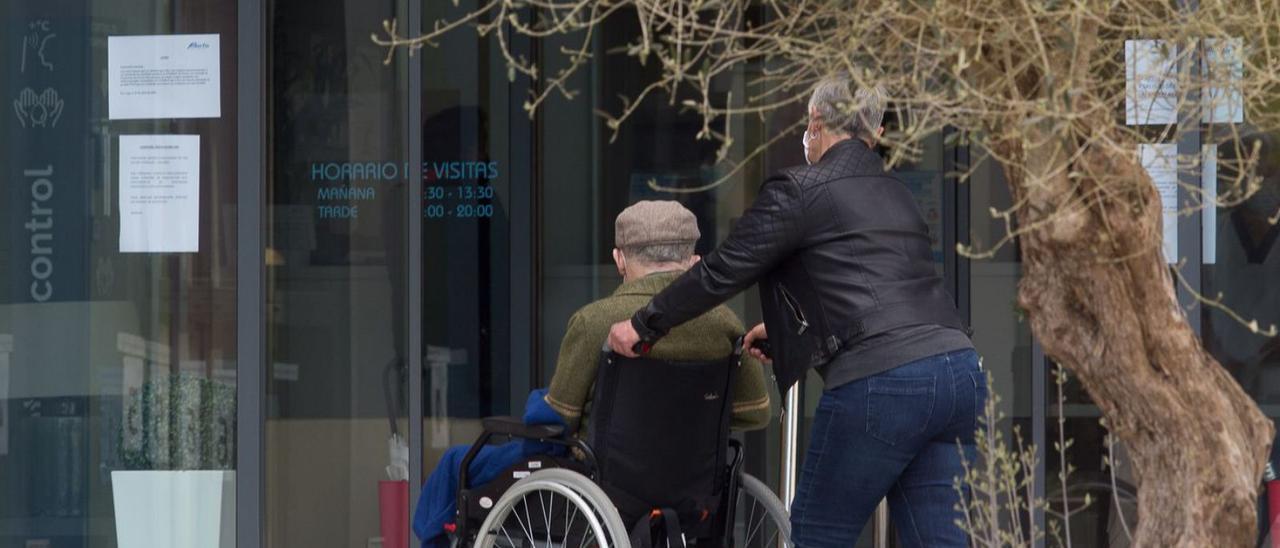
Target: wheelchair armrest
(513,426)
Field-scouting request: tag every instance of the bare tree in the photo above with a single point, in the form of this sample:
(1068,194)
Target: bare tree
(1041,87)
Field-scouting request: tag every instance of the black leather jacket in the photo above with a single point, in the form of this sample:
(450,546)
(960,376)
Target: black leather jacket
(841,253)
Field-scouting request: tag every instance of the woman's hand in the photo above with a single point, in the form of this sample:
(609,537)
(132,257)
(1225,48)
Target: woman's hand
(756,333)
(623,339)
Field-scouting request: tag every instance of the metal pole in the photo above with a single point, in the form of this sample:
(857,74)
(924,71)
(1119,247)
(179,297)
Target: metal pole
(790,430)
(882,524)
(790,435)
(1188,235)
(411,68)
(251,273)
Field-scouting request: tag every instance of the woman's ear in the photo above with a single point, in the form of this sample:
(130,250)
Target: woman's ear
(815,122)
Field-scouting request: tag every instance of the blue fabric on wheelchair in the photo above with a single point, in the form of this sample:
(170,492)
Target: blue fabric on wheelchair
(438,503)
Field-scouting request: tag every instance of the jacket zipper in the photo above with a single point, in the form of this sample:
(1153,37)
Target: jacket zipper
(795,309)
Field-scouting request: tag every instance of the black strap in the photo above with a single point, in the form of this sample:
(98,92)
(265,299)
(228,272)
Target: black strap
(642,533)
(641,536)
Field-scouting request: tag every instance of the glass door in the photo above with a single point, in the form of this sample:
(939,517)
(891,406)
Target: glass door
(336,433)
(475,187)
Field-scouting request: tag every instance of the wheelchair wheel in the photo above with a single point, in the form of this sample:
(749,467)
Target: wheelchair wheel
(554,508)
(760,519)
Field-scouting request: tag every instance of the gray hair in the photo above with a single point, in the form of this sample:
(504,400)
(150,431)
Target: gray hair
(858,113)
(663,253)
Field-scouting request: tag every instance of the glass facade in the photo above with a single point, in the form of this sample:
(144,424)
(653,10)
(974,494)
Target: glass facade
(419,243)
(118,368)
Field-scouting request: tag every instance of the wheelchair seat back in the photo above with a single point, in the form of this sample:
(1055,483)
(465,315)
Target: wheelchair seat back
(660,431)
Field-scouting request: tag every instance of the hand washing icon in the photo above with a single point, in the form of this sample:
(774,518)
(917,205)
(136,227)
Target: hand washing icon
(38,110)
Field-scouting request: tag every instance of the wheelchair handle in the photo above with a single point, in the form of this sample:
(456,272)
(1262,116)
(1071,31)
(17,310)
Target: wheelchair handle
(642,348)
(764,347)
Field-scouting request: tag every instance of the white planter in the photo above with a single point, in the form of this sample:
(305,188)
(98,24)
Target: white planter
(175,508)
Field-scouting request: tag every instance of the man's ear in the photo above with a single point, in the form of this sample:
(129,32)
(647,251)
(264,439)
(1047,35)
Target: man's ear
(619,261)
(880,132)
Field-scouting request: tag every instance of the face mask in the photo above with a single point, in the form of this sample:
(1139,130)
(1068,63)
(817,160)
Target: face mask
(804,142)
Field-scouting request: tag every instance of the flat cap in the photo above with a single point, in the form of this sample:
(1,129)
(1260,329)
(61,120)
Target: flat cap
(653,222)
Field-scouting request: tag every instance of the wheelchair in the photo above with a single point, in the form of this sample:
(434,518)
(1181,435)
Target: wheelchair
(657,462)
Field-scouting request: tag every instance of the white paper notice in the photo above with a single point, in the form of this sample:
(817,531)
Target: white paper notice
(1223,69)
(1209,215)
(1151,87)
(166,76)
(159,193)
(1161,163)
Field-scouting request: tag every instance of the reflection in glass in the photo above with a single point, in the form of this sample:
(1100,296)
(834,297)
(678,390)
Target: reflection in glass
(117,370)
(336,377)
(1241,259)
(468,179)
(1000,330)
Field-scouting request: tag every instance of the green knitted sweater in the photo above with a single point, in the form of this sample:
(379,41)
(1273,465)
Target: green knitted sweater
(707,337)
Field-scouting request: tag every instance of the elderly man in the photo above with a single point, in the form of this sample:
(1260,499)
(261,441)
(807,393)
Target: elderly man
(848,286)
(654,244)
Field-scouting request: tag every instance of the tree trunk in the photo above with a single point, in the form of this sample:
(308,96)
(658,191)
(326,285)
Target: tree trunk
(1101,300)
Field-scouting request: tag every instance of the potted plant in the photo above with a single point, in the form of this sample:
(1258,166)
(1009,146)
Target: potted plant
(177,449)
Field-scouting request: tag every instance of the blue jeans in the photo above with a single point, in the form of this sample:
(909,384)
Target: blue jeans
(897,434)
